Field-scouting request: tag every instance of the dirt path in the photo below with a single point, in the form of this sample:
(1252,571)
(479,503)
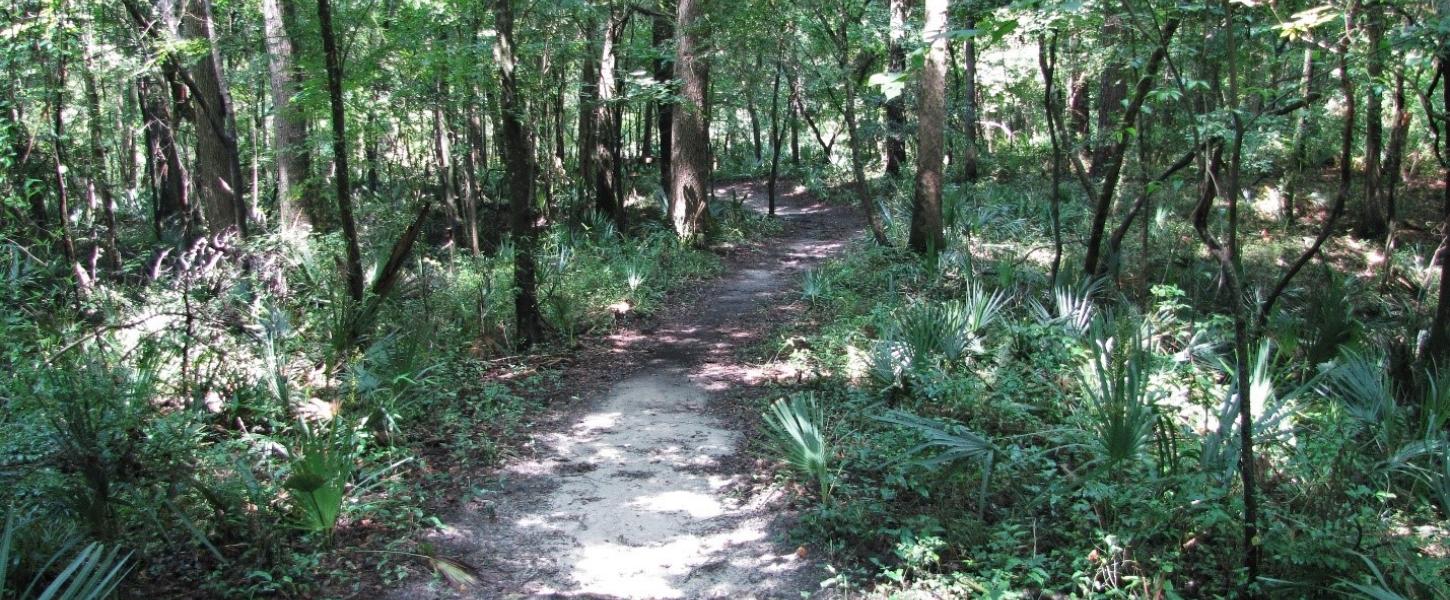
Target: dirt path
(644,491)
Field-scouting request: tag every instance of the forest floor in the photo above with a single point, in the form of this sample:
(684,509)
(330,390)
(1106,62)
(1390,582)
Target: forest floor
(646,488)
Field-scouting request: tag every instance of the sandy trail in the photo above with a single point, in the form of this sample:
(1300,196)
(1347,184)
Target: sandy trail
(643,492)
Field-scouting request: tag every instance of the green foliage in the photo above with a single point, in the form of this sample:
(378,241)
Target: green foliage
(796,427)
(1121,403)
(91,573)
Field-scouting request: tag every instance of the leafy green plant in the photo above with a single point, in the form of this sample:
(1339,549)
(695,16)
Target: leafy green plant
(816,286)
(953,443)
(92,573)
(931,330)
(322,466)
(1071,309)
(1121,404)
(795,427)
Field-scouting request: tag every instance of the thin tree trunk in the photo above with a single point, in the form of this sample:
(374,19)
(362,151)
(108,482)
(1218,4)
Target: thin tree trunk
(926,219)
(776,132)
(171,205)
(1300,145)
(588,105)
(1115,154)
(97,171)
(606,119)
(1395,151)
(896,107)
(969,104)
(518,161)
(662,32)
(1047,63)
(353,269)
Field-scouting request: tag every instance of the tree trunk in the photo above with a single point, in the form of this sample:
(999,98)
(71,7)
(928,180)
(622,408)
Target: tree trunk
(518,161)
(896,107)
(218,164)
(606,119)
(969,105)
(96,173)
(776,131)
(353,269)
(1395,151)
(926,220)
(1300,146)
(588,108)
(445,193)
(1117,149)
(1079,104)
(662,31)
(690,151)
(1372,223)
(1112,89)
(295,193)
(171,203)
(1047,63)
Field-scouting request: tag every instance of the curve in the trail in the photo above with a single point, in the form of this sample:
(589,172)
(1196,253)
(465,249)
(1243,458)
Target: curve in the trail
(641,493)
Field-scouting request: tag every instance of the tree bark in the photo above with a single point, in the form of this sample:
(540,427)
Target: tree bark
(690,150)
(1112,89)
(1047,63)
(662,32)
(295,193)
(1395,150)
(776,131)
(519,163)
(218,169)
(1372,223)
(606,119)
(926,219)
(1113,159)
(1300,145)
(969,104)
(896,107)
(588,109)
(96,173)
(353,273)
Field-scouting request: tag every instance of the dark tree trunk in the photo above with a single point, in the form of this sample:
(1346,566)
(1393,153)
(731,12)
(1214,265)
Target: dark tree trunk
(171,205)
(353,269)
(519,163)
(1395,151)
(1079,104)
(926,219)
(662,32)
(606,119)
(896,107)
(588,108)
(1047,63)
(1117,149)
(776,131)
(1112,89)
(218,169)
